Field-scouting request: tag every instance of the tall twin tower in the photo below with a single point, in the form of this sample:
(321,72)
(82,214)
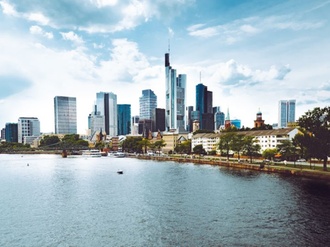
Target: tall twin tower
(175,98)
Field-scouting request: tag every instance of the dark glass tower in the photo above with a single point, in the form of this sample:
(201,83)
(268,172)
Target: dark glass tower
(124,119)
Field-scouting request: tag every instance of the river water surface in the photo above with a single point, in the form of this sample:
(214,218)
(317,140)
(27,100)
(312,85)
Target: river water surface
(46,200)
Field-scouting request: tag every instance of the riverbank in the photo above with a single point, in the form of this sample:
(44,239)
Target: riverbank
(300,171)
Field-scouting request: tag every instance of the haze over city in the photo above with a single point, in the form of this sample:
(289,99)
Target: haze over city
(250,54)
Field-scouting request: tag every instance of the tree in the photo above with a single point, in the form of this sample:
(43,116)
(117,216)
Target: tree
(159,145)
(225,142)
(269,153)
(287,150)
(183,147)
(236,144)
(250,147)
(132,144)
(316,125)
(49,141)
(198,149)
(145,143)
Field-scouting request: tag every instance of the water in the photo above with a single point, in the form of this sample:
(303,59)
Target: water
(46,200)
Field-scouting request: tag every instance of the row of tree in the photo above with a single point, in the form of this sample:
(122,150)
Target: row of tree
(70,141)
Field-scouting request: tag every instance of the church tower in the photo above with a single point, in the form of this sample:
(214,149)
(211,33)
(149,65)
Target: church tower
(259,122)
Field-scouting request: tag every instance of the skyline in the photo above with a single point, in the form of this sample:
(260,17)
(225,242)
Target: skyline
(251,53)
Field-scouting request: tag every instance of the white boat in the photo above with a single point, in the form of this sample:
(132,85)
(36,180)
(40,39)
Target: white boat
(119,155)
(94,153)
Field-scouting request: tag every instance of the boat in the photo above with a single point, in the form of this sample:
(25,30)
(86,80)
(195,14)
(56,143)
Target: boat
(120,172)
(119,155)
(91,153)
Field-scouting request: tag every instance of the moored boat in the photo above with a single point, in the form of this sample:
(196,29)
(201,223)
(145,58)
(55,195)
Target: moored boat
(91,153)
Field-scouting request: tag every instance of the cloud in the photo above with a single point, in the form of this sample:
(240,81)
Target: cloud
(39,31)
(71,36)
(325,86)
(236,30)
(8,9)
(104,3)
(232,73)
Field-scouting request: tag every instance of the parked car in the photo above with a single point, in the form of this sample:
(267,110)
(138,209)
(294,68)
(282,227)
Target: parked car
(301,160)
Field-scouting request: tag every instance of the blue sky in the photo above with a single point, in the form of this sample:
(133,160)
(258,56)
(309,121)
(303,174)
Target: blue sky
(250,53)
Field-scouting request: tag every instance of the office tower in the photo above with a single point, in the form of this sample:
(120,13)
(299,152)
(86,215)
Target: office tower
(28,127)
(189,121)
(124,119)
(3,133)
(106,105)
(145,127)
(219,117)
(175,95)
(11,132)
(286,112)
(204,100)
(148,104)
(65,110)
(96,123)
(135,125)
(159,120)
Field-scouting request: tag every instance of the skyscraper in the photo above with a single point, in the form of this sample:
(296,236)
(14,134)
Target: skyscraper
(11,134)
(148,104)
(159,120)
(65,110)
(28,127)
(286,112)
(204,100)
(219,117)
(124,119)
(175,95)
(106,105)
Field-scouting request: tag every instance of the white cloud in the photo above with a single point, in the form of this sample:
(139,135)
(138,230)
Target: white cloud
(72,37)
(104,3)
(39,31)
(38,17)
(8,9)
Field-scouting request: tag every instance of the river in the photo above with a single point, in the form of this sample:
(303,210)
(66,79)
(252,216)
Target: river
(46,200)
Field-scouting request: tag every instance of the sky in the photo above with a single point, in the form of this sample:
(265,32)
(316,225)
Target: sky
(249,53)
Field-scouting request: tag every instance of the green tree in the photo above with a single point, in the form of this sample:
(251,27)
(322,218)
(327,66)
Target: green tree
(198,149)
(145,143)
(226,139)
(183,147)
(159,145)
(237,144)
(49,141)
(251,147)
(316,125)
(287,150)
(269,153)
(132,144)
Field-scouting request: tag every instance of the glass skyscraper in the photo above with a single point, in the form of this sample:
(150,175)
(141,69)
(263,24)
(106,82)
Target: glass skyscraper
(124,119)
(175,97)
(11,132)
(65,111)
(286,112)
(148,104)
(204,105)
(106,105)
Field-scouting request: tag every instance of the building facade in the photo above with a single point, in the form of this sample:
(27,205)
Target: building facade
(106,106)
(286,113)
(148,104)
(11,132)
(65,111)
(159,120)
(124,119)
(204,105)
(28,129)
(175,95)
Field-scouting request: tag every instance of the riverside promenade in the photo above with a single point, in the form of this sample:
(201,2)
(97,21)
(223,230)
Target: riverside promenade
(301,170)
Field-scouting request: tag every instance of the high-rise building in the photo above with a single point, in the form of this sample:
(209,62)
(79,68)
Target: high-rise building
(135,125)
(148,104)
(28,127)
(219,117)
(236,123)
(204,105)
(96,124)
(65,111)
(159,120)
(11,132)
(3,133)
(189,120)
(175,97)
(106,105)
(286,112)
(124,119)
